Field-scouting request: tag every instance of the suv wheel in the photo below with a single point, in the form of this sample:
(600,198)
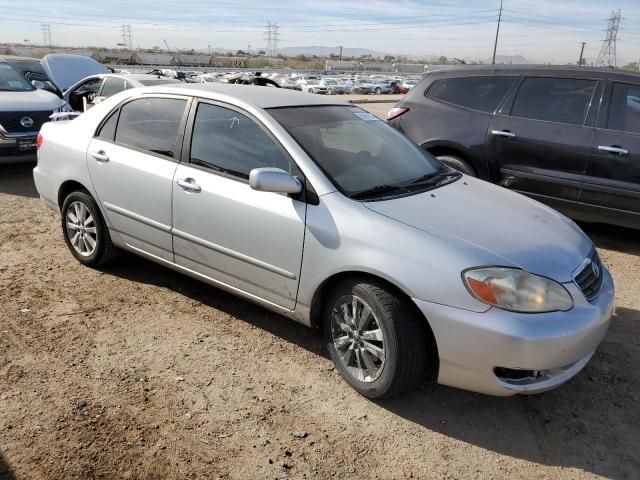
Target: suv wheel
(378,343)
(85,231)
(457,163)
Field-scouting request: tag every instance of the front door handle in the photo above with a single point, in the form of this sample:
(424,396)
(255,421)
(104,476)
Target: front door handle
(189,185)
(503,133)
(613,149)
(100,156)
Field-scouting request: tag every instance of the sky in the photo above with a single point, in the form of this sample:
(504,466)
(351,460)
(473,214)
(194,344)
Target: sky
(540,30)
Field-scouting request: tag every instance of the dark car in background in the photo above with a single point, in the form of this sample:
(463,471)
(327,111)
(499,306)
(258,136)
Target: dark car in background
(567,136)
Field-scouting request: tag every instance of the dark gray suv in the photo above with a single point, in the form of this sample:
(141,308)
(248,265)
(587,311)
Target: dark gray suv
(567,136)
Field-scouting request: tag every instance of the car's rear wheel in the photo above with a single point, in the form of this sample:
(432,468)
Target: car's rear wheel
(377,341)
(85,231)
(457,163)
(378,91)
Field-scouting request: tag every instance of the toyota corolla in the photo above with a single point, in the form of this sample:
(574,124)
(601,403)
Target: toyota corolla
(319,211)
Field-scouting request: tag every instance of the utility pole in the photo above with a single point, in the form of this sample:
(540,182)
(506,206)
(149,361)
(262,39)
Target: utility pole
(581,53)
(607,55)
(340,56)
(495,45)
(272,37)
(46,34)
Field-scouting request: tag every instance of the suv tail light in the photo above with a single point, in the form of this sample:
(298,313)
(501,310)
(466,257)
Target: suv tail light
(39,141)
(395,112)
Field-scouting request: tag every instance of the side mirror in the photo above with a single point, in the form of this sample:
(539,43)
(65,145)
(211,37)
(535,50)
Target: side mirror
(38,84)
(274,180)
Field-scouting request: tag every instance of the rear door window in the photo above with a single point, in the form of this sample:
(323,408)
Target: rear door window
(562,100)
(151,124)
(624,113)
(230,142)
(479,93)
(112,85)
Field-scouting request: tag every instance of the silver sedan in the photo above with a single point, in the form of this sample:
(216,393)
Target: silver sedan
(321,212)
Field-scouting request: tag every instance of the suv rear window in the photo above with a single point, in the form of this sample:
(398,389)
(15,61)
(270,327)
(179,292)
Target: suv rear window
(479,93)
(562,100)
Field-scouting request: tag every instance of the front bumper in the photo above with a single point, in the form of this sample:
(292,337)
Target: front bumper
(16,148)
(555,345)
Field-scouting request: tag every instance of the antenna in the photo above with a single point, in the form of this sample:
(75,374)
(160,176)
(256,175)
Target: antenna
(607,55)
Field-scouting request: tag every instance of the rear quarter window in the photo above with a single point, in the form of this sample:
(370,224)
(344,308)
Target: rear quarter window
(482,93)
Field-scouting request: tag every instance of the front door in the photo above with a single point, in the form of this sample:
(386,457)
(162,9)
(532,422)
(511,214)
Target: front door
(248,240)
(132,162)
(542,146)
(612,183)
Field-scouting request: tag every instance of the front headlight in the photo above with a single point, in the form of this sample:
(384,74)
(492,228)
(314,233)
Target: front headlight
(516,290)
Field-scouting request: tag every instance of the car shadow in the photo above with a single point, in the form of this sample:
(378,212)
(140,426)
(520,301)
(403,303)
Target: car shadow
(613,237)
(17,179)
(5,470)
(590,424)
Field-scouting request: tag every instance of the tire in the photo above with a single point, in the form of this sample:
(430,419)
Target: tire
(96,248)
(393,326)
(378,91)
(457,163)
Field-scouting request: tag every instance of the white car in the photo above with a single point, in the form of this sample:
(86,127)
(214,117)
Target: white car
(324,213)
(313,86)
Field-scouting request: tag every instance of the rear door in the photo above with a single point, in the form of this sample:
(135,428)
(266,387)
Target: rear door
(612,185)
(540,143)
(248,240)
(132,161)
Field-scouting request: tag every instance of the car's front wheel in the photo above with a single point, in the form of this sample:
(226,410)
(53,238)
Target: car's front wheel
(85,231)
(377,341)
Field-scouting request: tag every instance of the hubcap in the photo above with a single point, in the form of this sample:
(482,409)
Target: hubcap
(81,229)
(358,338)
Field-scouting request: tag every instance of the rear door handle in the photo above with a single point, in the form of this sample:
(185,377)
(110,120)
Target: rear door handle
(189,185)
(613,149)
(101,156)
(503,133)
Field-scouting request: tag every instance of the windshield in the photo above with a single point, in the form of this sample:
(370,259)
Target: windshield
(12,81)
(357,151)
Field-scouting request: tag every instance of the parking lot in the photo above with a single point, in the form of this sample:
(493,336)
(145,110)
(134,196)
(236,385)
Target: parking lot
(135,371)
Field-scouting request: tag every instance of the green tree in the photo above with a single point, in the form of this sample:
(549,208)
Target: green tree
(632,67)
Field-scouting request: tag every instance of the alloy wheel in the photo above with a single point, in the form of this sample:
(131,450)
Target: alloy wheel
(358,338)
(81,229)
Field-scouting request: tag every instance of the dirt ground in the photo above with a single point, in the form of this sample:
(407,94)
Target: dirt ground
(136,372)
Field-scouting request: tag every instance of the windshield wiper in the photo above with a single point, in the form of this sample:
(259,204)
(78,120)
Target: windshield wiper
(375,191)
(435,179)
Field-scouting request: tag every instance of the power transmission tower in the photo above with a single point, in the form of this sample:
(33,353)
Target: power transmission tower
(46,34)
(273,37)
(607,55)
(127,37)
(495,45)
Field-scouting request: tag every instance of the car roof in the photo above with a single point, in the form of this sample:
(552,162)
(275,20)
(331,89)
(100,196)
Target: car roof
(588,72)
(262,97)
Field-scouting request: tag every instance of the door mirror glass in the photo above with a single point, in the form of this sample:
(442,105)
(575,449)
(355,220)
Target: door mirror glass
(274,180)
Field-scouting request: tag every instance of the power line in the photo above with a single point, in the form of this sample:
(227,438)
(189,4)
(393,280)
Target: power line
(272,37)
(607,55)
(127,38)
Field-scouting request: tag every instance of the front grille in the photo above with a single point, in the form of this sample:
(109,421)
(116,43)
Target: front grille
(589,277)
(10,121)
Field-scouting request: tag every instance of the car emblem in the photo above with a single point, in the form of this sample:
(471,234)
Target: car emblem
(595,268)
(26,122)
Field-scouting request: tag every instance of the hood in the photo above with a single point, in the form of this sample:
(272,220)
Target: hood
(29,101)
(505,228)
(66,70)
